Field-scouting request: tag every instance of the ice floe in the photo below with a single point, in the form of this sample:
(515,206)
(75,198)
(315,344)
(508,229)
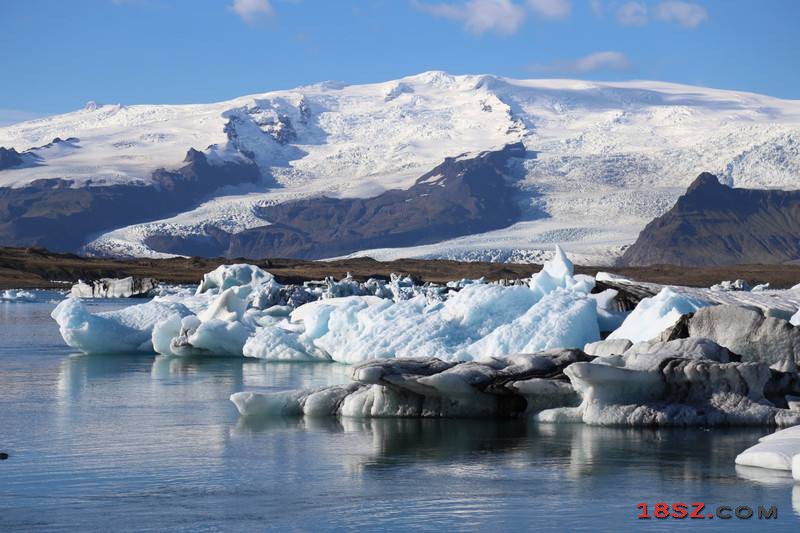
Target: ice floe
(14,295)
(776,451)
(115,288)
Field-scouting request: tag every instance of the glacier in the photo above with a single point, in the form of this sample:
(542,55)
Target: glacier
(610,156)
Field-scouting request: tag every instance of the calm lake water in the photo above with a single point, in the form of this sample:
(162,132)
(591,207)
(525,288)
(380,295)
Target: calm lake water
(152,443)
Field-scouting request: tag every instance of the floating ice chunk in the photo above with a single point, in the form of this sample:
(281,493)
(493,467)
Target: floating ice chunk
(227,276)
(460,284)
(479,321)
(653,315)
(126,330)
(276,343)
(222,328)
(218,337)
(614,278)
(17,296)
(728,286)
(775,451)
(606,384)
(241,310)
(561,319)
(692,347)
(791,433)
(229,306)
(429,387)
(795,320)
(557,273)
(115,288)
(678,382)
(607,347)
(647,389)
(274,404)
(609,317)
(749,332)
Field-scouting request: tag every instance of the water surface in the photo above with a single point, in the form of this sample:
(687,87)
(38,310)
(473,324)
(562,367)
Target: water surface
(152,443)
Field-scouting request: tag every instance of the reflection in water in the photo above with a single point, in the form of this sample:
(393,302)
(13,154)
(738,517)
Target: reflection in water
(581,450)
(796,498)
(79,371)
(765,476)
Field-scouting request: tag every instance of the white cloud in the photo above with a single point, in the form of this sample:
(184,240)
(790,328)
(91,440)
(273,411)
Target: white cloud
(632,14)
(551,9)
(479,16)
(251,10)
(590,63)
(686,14)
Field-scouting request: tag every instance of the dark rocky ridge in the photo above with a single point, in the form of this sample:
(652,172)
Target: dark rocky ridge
(53,213)
(9,158)
(713,225)
(459,197)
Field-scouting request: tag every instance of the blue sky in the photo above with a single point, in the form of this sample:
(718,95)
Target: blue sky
(60,54)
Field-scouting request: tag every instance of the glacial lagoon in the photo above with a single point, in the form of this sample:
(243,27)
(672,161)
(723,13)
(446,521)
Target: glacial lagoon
(142,442)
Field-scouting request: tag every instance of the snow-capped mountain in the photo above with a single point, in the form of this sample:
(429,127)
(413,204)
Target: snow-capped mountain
(597,162)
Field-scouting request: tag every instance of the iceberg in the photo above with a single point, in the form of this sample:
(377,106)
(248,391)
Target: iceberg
(750,332)
(430,387)
(776,451)
(127,330)
(227,276)
(17,296)
(687,382)
(654,315)
(115,288)
(683,382)
(241,310)
(478,321)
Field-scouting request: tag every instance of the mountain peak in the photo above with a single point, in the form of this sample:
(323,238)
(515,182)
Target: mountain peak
(706,180)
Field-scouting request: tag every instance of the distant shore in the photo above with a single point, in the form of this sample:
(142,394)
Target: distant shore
(36,268)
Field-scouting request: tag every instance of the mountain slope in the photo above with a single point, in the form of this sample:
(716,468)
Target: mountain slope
(713,225)
(602,159)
